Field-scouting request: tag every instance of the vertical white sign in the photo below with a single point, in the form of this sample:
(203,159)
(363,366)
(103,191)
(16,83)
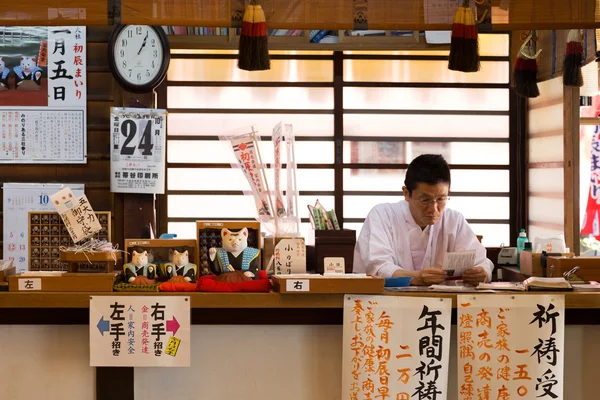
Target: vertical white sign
(140,331)
(137,158)
(67,82)
(19,200)
(396,347)
(511,346)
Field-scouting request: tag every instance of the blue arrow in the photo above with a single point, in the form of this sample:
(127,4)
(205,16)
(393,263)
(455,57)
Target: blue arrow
(103,326)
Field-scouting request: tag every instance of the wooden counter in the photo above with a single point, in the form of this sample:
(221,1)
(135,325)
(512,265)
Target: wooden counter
(75,300)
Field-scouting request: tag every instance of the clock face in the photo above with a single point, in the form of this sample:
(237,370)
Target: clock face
(138,54)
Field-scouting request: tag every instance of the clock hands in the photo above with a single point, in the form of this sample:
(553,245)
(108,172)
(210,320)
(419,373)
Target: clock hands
(143,44)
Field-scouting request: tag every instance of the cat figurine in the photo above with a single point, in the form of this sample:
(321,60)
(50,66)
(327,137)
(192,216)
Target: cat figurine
(4,71)
(28,71)
(234,254)
(139,267)
(180,265)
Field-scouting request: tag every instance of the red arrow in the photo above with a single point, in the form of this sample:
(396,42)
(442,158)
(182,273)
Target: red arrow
(173,326)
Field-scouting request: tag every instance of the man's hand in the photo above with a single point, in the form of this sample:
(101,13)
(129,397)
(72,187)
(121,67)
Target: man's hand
(474,275)
(425,277)
(432,276)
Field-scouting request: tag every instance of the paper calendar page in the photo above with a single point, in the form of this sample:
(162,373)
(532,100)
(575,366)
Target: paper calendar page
(19,200)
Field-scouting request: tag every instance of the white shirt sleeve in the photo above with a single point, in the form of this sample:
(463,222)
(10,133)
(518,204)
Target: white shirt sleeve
(466,239)
(374,250)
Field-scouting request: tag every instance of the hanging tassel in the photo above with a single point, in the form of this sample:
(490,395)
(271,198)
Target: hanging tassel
(260,44)
(525,74)
(464,46)
(245,46)
(572,75)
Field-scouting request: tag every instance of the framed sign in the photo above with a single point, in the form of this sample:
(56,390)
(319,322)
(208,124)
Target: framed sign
(137,142)
(43,90)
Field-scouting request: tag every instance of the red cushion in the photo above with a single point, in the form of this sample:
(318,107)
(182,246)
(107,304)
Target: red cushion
(208,284)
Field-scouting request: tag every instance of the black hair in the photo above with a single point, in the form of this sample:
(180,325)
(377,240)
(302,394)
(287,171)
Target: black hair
(427,168)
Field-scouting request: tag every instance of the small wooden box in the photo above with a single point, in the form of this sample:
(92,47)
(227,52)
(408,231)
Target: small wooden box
(5,273)
(66,282)
(589,267)
(327,285)
(160,248)
(332,243)
(74,259)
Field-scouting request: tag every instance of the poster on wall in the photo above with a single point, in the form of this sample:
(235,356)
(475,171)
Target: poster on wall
(511,347)
(137,157)
(43,94)
(19,200)
(140,331)
(395,347)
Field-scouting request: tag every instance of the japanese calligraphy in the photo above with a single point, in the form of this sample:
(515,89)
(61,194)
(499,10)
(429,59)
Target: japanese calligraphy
(510,347)
(140,331)
(395,348)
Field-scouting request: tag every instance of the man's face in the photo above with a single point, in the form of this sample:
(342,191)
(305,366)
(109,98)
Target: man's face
(427,202)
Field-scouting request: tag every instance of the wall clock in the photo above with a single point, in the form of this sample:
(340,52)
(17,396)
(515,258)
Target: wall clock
(139,56)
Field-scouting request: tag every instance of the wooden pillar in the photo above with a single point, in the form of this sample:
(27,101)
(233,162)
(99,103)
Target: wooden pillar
(571,166)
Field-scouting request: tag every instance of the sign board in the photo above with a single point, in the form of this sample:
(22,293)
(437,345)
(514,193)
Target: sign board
(138,144)
(396,347)
(140,331)
(511,346)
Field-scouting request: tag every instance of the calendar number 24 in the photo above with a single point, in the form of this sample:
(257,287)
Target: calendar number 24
(129,130)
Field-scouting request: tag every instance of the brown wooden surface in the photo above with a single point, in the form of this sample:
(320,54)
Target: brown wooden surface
(574,300)
(571,168)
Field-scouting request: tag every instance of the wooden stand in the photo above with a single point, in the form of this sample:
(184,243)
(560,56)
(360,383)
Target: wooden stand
(109,259)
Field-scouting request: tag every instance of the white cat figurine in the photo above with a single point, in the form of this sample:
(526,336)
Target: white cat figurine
(181,266)
(234,254)
(139,266)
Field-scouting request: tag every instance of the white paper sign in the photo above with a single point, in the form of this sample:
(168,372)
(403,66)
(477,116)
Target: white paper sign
(137,158)
(19,200)
(290,256)
(30,284)
(140,331)
(297,285)
(334,265)
(511,346)
(81,221)
(43,94)
(455,263)
(395,347)
(64,200)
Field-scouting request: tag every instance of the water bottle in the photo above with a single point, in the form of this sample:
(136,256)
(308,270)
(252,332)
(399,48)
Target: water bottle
(521,240)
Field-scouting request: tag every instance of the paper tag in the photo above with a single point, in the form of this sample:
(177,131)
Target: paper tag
(63,200)
(30,284)
(81,221)
(334,265)
(297,285)
(457,262)
(172,346)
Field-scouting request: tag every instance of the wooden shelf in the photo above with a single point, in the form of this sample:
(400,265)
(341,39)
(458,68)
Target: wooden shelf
(574,300)
(231,42)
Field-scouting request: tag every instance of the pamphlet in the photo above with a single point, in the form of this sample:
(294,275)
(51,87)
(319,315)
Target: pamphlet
(456,263)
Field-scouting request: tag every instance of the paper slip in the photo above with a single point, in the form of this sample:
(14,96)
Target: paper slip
(456,263)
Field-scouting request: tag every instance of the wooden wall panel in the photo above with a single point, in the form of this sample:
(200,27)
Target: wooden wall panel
(95,173)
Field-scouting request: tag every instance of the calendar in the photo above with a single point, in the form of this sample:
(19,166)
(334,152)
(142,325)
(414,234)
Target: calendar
(43,98)
(19,200)
(137,158)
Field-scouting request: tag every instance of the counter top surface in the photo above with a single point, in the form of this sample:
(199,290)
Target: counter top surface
(574,300)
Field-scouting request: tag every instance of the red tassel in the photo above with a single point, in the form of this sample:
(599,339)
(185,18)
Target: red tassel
(572,75)
(260,46)
(464,46)
(245,45)
(525,74)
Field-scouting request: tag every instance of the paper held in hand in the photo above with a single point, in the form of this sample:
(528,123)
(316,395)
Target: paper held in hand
(456,263)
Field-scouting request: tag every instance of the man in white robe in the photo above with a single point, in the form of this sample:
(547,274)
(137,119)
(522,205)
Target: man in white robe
(411,237)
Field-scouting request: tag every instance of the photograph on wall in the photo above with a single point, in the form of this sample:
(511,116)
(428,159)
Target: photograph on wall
(43,94)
